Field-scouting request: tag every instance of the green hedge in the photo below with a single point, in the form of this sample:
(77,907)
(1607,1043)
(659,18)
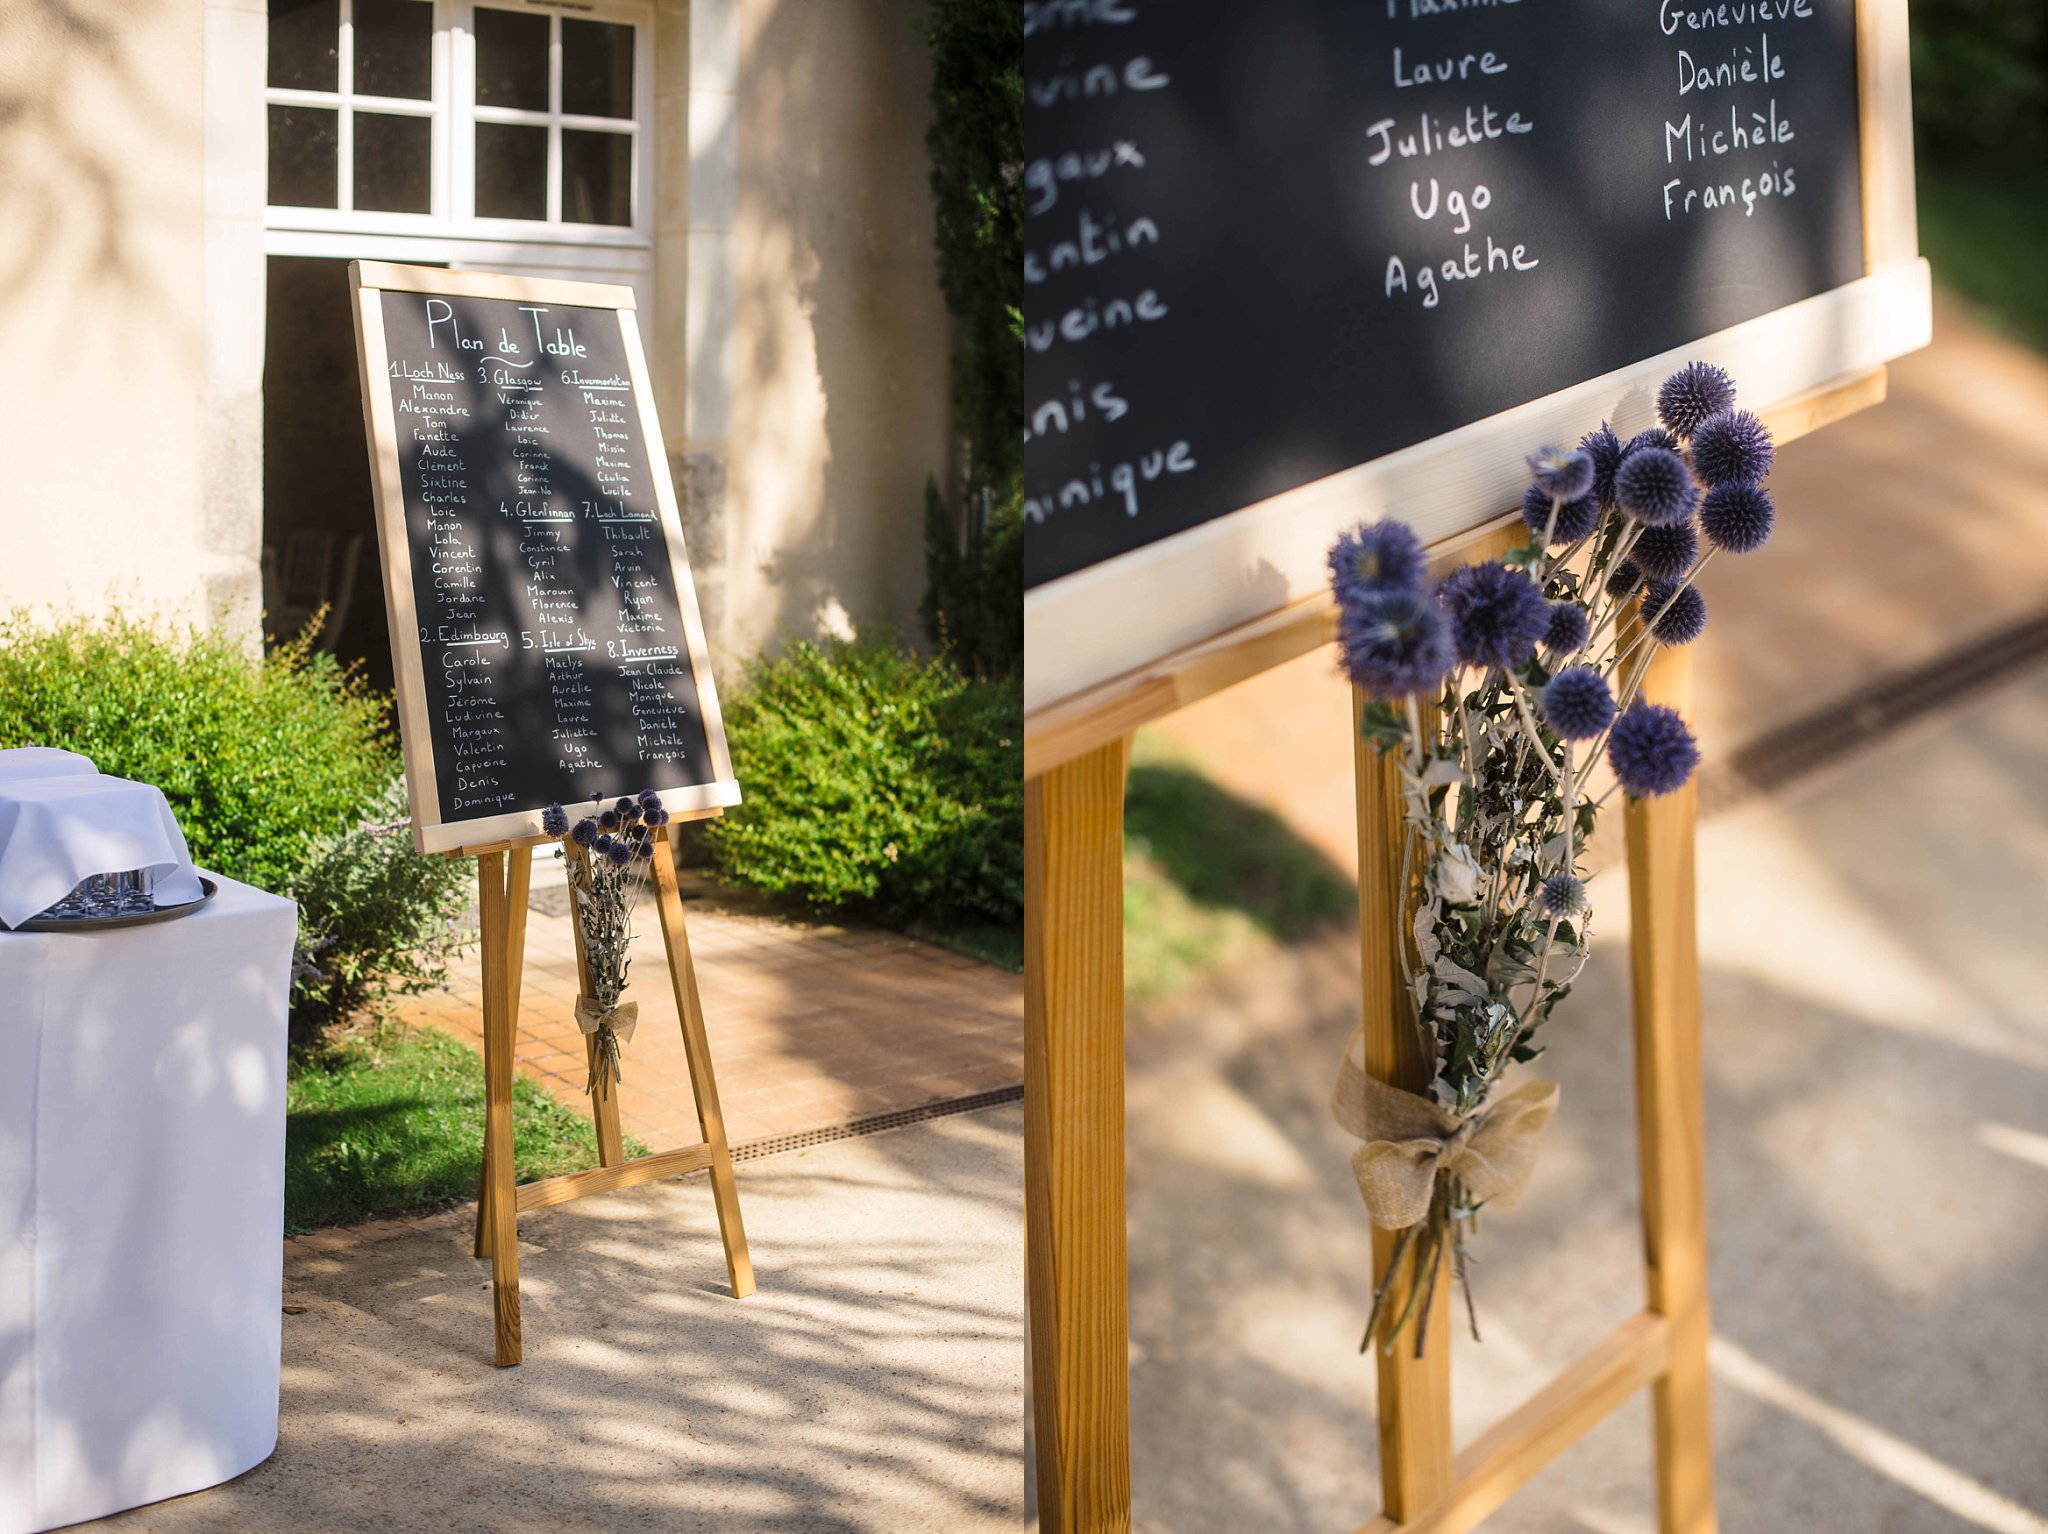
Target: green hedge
(877,781)
(279,772)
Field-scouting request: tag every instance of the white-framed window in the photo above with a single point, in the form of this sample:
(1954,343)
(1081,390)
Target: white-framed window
(504,121)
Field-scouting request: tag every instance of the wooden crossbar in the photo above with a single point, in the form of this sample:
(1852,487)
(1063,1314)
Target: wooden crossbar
(545,1191)
(1500,1461)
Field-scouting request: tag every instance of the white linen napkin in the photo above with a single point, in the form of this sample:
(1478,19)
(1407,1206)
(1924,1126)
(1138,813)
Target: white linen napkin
(43,762)
(55,832)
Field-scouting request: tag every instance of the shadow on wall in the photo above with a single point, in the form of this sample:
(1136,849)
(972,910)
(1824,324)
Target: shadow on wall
(842,372)
(68,192)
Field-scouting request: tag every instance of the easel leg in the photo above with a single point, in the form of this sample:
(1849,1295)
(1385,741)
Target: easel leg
(1074,1143)
(1670,1120)
(500,994)
(725,1194)
(519,876)
(1414,1394)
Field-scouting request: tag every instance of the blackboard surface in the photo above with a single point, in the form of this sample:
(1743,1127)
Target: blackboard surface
(1267,242)
(555,658)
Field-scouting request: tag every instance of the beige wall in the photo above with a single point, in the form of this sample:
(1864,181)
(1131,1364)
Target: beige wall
(132,426)
(838,344)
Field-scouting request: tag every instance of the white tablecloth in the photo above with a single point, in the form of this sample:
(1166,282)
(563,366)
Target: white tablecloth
(43,762)
(141,1207)
(55,832)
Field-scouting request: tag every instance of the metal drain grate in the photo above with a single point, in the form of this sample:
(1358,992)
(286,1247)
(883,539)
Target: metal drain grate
(1871,713)
(775,1145)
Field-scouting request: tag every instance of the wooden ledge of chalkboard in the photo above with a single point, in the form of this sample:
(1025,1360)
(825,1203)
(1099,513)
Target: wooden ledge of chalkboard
(514,843)
(1062,731)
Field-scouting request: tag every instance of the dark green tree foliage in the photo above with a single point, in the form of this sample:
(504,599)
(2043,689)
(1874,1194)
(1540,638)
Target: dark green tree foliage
(283,773)
(1980,79)
(974,551)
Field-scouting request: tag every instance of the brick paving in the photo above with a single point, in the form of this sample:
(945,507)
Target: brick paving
(811,1024)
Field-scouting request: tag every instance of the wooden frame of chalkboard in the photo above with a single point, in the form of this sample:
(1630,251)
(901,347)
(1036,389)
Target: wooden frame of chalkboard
(1128,639)
(435,829)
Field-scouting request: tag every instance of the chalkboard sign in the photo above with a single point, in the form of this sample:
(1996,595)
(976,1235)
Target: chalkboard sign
(545,631)
(1265,244)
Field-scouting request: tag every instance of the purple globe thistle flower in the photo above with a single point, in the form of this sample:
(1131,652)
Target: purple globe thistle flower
(1575,518)
(1377,557)
(1654,486)
(1690,395)
(554,820)
(609,820)
(1666,553)
(1564,896)
(649,799)
(1677,616)
(1568,629)
(1651,751)
(1738,516)
(1497,615)
(646,852)
(1624,580)
(585,834)
(626,807)
(1395,643)
(603,843)
(1655,436)
(619,853)
(660,817)
(1733,445)
(1604,448)
(1576,703)
(1566,473)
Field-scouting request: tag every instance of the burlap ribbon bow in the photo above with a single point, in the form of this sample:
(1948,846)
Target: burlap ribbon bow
(1409,1139)
(592,1015)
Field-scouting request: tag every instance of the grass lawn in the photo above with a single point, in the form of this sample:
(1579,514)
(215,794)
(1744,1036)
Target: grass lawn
(395,1125)
(1983,231)
(1208,875)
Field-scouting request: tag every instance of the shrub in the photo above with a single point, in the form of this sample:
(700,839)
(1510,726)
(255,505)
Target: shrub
(256,760)
(270,768)
(877,780)
(377,920)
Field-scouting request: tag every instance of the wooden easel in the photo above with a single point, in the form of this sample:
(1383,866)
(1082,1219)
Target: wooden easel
(504,873)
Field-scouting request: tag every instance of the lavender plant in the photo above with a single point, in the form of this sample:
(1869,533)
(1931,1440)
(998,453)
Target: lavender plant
(613,851)
(1497,695)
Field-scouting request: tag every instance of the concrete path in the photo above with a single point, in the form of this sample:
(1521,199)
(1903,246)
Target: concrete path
(1877,1099)
(873,1383)
(811,1024)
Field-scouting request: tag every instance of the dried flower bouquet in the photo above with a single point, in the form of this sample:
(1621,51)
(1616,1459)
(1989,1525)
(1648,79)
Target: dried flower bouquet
(607,869)
(1498,695)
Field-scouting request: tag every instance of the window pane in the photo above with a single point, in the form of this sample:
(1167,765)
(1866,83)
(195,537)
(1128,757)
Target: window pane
(597,177)
(597,68)
(305,47)
(511,60)
(393,163)
(302,157)
(395,48)
(511,171)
